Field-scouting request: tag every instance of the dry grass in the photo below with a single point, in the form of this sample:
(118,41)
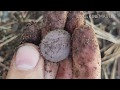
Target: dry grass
(110,52)
(107,31)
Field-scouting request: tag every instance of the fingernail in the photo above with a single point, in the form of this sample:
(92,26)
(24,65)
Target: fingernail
(27,57)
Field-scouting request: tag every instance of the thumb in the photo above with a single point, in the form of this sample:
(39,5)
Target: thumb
(26,63)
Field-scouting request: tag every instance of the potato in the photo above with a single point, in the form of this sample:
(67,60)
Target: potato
(51,21)
(56,45)
(86,54)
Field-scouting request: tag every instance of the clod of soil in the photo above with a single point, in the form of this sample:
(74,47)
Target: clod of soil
(55,46)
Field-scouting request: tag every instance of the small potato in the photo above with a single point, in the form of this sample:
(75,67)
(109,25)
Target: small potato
(86,54)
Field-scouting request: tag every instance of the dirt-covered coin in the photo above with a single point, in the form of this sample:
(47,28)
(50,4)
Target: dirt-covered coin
(55,46)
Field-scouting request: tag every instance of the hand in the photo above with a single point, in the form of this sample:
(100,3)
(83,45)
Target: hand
(27,62)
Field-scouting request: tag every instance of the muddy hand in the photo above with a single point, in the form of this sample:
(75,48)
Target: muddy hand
(26,63)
